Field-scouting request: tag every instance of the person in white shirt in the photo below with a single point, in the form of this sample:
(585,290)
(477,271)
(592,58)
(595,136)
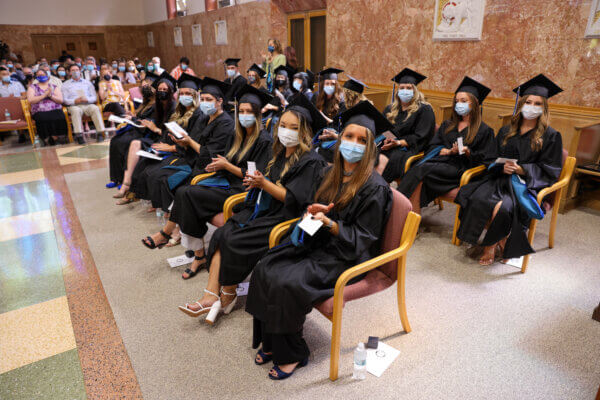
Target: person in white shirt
(89,70)
(80,98)
(157,69)
(9,87)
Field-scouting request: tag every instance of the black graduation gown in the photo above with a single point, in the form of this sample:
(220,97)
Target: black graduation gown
(417,130)
(118,149)
(195,206)
(214,138)
(242,246)
(289,280)
(478,199)
(236,83)
(442,173)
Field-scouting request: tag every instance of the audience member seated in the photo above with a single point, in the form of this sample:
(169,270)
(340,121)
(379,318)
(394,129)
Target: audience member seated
(183,66)
(157,68)
(53,79)
(61,73)
(9,87)
(90,73)
(80,97)
(111,92)
(46,109)
(132,75)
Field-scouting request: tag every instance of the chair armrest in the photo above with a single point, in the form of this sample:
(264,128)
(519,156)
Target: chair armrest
(230,203)
(131,106)
(551,189)
(278,231)
(412,159)
(201,177)
(585,126)
(471,173)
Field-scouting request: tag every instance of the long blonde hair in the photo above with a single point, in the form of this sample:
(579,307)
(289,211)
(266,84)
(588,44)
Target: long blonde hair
(238,141)
(329,107)
(304,145)
(352,98)
(474,118)
(331,190)
(416,102)
(181,115)
(540,128)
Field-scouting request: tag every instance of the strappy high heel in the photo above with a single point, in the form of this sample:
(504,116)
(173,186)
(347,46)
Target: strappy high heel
(125,192)
(149,242)
(202,310)
(218,307)
(191,273)
(281,375)
(264,357)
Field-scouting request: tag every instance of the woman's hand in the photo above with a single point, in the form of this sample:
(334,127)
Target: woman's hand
(161,147)
(150,125)
(328,134)
(218,163)
(269,107)
(317,208)
(183,142)
(255,181)
(513,168)
(391,143)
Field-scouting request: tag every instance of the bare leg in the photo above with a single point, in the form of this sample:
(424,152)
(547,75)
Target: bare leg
(489,252)
(132,159)
(383,160)
(213,283)
(176,234)
(415,199)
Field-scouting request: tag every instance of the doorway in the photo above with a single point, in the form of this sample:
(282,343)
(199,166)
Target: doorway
(307,35)
(77,45)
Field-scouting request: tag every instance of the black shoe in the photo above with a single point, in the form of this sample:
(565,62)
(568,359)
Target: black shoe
(51,141)
(79,139)
(22,139)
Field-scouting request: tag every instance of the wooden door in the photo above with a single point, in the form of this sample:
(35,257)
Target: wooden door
(306,34)
(45,46)
(93,45)
(77,45)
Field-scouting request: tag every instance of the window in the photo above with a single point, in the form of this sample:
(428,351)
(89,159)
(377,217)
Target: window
(181,7)
(226,3)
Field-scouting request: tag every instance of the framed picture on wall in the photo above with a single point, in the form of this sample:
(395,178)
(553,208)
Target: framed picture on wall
(458,19)
(593,26)
(220,32)
(150,37)
(197,35)
(177,37)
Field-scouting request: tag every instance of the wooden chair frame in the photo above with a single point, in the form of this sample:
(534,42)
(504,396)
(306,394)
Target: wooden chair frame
(411,225)
(32,128)
(27,115)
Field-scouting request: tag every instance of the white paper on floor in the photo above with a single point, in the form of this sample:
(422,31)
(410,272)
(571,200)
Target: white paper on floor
(516,262)
(179,260)
(242,289)
(378,360)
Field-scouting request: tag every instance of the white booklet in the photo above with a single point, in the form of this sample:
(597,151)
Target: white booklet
(143,153)
(176,130)
(119,120)
(501,160)
(378,360)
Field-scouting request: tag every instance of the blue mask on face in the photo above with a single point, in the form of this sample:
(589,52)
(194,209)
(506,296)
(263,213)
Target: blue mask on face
(9,65)
(352,152)
(43,78)
(297,85)
(462,108)
(183,67)
(90,67)
(186,100)
(271,49)
(247,120)
(208,107)
(405,95)
(329,89)
(6,79)
(230,73)
(62,73)
(122,69)
(115,66)
(78,64)
(150,68)
(140,66)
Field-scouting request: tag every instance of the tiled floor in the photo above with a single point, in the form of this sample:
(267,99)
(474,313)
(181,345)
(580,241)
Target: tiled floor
(53,338)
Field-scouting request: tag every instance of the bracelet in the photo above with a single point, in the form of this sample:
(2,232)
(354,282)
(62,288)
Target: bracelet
(330,224)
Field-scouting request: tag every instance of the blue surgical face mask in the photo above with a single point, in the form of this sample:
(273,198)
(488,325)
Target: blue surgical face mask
(405,95)
(55,66)
(183,67)
(208,107)
(329,89)
(9,65)
(271,49)
(6,79)
(62,73)
(139,66)
(48,73)
(131,69)
(251,79)
(186,100)
(247,120)
(231,73)
(43,78)
(78,64)
(297,85)
(90,67)
(150,68)
(122,69)
(75,75)
(115,66)
(352,152)
(462,108)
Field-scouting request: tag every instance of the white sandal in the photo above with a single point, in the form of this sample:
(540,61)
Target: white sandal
(217,308)
(203,309)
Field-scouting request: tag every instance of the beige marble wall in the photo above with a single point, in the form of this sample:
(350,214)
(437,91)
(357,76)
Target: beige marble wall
(520,39)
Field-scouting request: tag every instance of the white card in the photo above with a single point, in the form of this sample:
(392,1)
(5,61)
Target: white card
(135,99)
(515,262)
(242,289)
(461,147)
(143,153)
(119,120)
(176,130)
(501,160)
(251,168)
(179,260)
(378,360)
(309,225)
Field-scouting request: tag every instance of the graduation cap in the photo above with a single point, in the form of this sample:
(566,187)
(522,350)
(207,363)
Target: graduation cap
(300,104)
(355,85)
(284,70)
(261,72)
(330,73)
(232,61)
(214,87)
(250,94)
(189,81)
(407,75)
(365,114)
(539,86)
(167,78)
(475,88)
(151,77)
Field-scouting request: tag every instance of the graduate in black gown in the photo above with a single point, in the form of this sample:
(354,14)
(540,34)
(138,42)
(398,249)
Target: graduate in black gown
(300,85)
(289,183)
(329,98)
(414,124)
(281,94)
(490,203)
(255,75)
(195,206)
(435,176)
(235,80)
(353,202)
(157,181)
(118,149)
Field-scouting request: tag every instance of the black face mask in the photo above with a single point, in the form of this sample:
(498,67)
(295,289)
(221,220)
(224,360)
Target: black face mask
(280,82)
(147,92)
(162,95)
(29,76)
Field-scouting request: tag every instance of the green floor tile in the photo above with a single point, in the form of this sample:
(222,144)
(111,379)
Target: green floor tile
(20,162)
(56,377)
(23,198)
(30,271)
(92,151)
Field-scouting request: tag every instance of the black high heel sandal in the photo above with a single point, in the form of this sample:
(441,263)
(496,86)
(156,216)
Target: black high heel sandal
(149,242)
(191,273)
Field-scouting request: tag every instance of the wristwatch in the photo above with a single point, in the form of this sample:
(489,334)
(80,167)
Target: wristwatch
(330,224)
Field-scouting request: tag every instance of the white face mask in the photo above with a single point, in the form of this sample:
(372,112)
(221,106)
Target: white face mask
(231,73)
(529,111)
(329,89)
(287,137)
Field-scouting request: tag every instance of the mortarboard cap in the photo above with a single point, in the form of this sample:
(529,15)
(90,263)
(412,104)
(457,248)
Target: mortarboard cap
(165,77)
(355,85)
(330,73)
(232,61)
(214,87)
(300,104)
(189,81)
(539,86)
(284,70)
(365,114)
(249,94)
(261,72)
(151,77)
(475,88)
(407,75)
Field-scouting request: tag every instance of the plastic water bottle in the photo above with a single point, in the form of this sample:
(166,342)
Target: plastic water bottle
(36,142)
(160,216)
(6,115)
(360,362)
